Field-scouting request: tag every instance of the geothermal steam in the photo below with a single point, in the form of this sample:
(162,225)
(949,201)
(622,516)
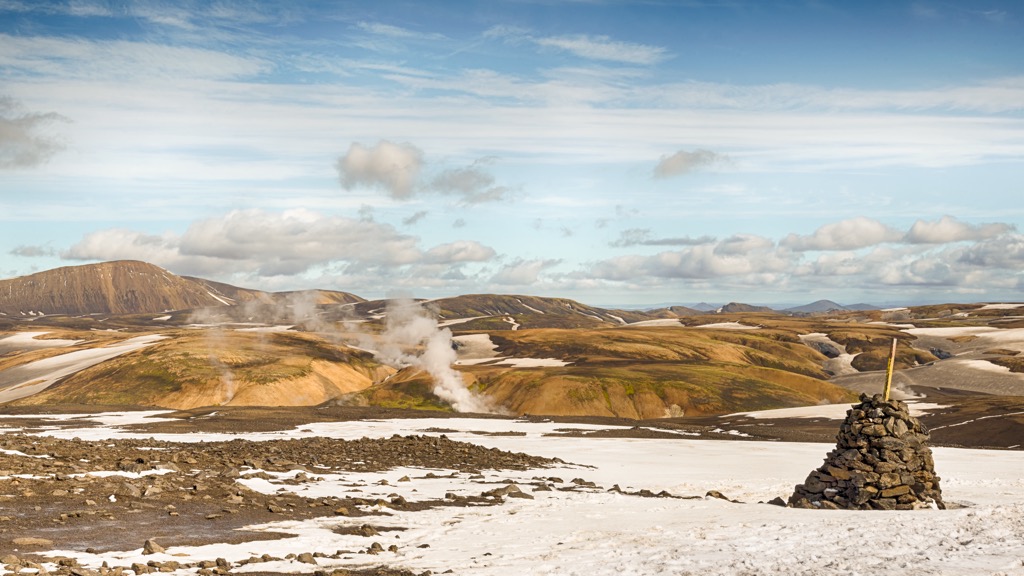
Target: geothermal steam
(410,327)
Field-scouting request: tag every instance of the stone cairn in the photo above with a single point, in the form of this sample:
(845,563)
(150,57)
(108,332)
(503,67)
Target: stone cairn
(881,462)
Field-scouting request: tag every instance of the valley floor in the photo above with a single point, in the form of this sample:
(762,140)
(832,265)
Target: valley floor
(448,506)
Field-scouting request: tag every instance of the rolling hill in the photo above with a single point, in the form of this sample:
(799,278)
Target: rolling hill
(523,354)
(195,368)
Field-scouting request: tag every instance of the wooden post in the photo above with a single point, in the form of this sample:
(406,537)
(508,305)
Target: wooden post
(888,371)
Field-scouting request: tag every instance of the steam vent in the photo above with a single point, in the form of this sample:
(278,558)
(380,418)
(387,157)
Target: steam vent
(881,462)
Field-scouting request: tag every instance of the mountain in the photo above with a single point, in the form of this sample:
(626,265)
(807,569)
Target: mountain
(120,287)
(861,307)
(820,306)
(813,307)
(674,312)
(734,307)
(705,307)
(504,312)
(132,287)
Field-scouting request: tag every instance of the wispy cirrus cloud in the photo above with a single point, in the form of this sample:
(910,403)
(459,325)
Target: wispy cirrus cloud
(95,60)
(606,49)
(645,237)
(397,32)
(591,47)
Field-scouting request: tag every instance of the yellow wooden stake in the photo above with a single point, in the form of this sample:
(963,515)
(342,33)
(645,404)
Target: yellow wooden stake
(888,371)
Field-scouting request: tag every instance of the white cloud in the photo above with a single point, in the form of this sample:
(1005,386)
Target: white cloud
(264,243)
(24,141)
(521,272)
(472,184)
(415,218)
(124,244)
(735,256)
(392,167)
(684,162)
(740,244)
(396,169)
(460,251)
(948,229)
(1003,252)
(851,234)
(27,251)
(645,237)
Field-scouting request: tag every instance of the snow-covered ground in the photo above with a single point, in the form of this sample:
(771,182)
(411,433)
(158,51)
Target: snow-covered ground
(830,411)
(480,349)
(728,326)
(31,341)
(841,364)
(657,322)
(28,379)
(595,532)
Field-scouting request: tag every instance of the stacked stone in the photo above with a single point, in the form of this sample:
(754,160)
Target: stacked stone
(881,462)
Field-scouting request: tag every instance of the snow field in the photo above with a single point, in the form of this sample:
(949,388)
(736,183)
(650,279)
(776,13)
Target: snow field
(595,532)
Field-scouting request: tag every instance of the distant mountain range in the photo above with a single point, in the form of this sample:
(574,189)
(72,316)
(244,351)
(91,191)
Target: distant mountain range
(827,306)
(133,287)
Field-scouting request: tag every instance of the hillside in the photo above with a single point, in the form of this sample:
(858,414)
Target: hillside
(197,368)
(633,372)
(528,312)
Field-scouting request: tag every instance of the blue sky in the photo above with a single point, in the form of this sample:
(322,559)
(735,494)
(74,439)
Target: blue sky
(612,152)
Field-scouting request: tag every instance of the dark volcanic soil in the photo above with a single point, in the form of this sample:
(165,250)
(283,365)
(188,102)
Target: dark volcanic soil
(187,494)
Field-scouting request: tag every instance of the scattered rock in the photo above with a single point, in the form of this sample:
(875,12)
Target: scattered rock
(31,541)
(720,496)
(151,547)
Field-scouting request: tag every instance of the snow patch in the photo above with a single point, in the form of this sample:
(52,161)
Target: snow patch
(827,411)
(729,326)
(657,322)
(31,340)
(34,377)
(219,299)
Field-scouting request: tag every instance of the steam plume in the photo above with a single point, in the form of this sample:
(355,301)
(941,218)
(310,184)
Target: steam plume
(409,327)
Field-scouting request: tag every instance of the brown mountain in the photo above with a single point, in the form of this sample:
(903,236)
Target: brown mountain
(119,287)
(495,311)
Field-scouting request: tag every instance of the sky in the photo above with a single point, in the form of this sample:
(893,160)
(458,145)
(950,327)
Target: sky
(616,153)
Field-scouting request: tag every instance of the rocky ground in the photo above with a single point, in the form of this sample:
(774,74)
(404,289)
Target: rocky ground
(60,494)
(70,494)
